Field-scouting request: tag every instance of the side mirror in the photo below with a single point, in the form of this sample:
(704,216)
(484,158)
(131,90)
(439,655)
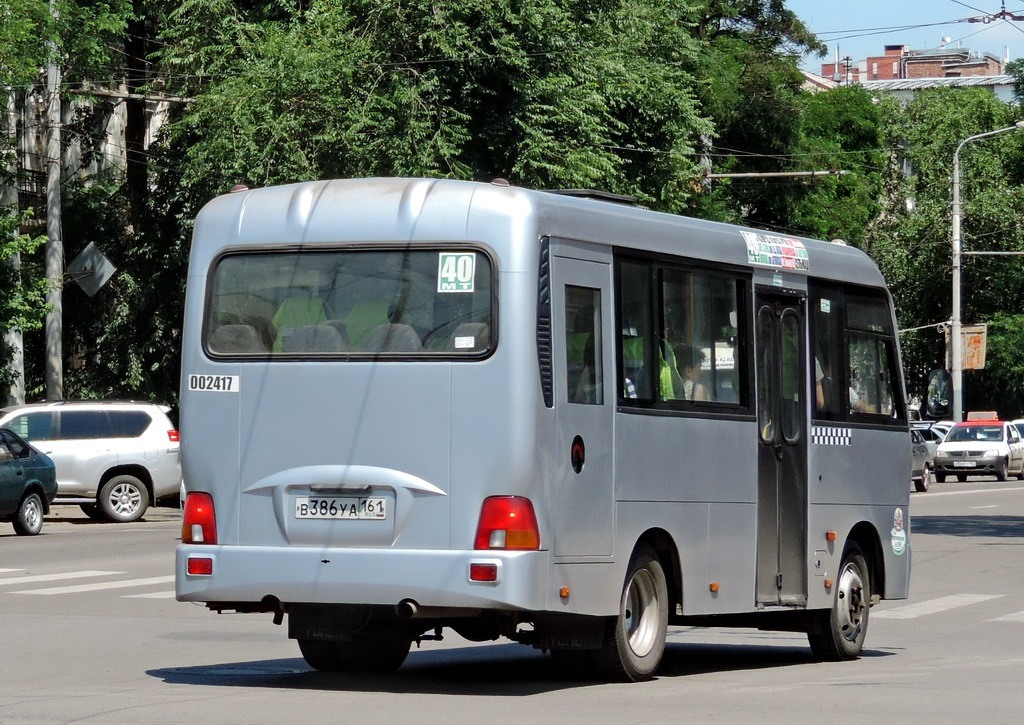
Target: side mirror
(939,401)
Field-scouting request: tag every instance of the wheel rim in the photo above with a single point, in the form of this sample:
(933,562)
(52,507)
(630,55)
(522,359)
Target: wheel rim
(850,607)
(640,613)
(33,514)
(125,499)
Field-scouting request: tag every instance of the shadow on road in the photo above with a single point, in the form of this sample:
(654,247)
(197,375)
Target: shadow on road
(991,526)
(493,670)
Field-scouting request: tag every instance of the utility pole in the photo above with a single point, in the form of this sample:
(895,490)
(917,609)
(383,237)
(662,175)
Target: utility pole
(9,200)
(55,243)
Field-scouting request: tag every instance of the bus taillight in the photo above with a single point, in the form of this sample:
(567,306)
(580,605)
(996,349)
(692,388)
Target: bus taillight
(198,522)
(507,522)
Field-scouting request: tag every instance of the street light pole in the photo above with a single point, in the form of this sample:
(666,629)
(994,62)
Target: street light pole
(957,355)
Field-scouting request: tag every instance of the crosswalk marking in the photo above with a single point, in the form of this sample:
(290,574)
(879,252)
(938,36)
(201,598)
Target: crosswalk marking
(150,595)
(97,586)
(1015,617)
(55,577)
(933,606)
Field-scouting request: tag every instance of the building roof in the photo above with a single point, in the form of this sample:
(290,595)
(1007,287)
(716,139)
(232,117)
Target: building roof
(918,84)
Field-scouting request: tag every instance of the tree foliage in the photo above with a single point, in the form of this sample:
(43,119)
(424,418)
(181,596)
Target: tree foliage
(910,237)
(549,94)
(631,96)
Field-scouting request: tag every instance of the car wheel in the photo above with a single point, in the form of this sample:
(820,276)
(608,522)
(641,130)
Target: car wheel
(123,498)
(29,519)
(379,651)
(925,481)
(842,628)
(1001,471)
(635,640)
(961,477)
(940,477)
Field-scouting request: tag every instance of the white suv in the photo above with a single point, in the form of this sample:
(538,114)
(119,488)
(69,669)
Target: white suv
(112,458)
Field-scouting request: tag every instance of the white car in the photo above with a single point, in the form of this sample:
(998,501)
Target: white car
(112,458)
(980,447)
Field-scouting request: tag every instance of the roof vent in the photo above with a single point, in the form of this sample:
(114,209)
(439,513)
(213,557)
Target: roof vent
(500,182)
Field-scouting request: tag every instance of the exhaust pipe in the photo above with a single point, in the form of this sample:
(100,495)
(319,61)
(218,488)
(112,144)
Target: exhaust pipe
(407,609)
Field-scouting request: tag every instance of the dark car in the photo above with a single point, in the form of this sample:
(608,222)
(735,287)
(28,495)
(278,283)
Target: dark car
(28,483)
(923,456)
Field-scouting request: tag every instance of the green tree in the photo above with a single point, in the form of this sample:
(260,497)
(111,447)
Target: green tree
(551,94)
(749,84)
(910,237)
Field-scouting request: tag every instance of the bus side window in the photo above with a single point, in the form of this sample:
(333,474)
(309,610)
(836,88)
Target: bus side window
(583,365)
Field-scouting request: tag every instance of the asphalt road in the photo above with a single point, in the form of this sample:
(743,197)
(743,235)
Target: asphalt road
(90,632)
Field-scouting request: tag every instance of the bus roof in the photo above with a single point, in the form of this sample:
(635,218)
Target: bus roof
(406,209)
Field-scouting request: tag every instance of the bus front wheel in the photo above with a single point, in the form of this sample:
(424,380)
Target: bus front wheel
(841,631)
(635,640)
(381,651)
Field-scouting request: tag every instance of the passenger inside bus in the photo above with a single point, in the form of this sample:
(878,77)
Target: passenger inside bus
(690,360)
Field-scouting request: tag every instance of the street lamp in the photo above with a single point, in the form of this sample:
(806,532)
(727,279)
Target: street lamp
(957,361)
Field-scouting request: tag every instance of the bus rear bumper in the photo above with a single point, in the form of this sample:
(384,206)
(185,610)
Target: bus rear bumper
(429,577)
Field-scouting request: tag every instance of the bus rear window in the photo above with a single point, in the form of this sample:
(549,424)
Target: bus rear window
(351,303)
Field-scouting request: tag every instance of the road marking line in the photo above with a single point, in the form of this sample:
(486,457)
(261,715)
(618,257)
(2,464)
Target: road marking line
(4,571)
(992,506)
(933,606)
(934,494)
(56,577)
(1016,617)
(150,595)
(75,588)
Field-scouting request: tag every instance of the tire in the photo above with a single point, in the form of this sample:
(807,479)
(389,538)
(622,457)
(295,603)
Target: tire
(940,477)
(123,498)
(380,652)
(635,638)
(961,477)
(843,627)
(925,482)
(29,519)
(1002,470)
(93,511)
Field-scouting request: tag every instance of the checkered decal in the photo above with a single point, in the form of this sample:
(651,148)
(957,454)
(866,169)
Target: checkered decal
(830,436)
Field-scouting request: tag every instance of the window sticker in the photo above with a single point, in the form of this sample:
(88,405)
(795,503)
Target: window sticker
(771,250)
(455,271)
(898,536)
(465,343)
(826,305)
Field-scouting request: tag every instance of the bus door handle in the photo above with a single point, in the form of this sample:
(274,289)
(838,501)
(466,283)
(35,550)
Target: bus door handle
(778,451)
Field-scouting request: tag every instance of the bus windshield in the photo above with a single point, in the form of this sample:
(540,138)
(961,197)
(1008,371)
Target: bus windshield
(423,302)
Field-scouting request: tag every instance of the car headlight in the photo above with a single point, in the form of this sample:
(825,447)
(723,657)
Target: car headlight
(941,454)
(991,453)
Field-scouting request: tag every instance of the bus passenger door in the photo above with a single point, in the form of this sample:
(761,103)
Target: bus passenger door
(782,451)
(584,395)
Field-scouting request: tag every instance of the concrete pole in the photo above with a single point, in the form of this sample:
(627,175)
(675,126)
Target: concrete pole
(55,243)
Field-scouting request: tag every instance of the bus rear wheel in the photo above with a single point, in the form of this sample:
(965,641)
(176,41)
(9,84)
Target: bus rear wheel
(635,640)
(841,631)
(382,651)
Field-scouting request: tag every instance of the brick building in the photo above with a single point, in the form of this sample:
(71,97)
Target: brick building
(899,62)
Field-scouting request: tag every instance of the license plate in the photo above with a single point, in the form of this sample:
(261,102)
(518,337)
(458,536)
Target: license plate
(963,464)
(341,507)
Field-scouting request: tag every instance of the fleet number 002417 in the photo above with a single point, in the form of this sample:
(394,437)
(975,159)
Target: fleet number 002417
(214,383)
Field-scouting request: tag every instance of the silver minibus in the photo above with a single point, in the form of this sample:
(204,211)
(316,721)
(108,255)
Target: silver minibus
(416,404)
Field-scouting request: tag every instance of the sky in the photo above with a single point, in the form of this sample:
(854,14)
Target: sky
(863,28)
